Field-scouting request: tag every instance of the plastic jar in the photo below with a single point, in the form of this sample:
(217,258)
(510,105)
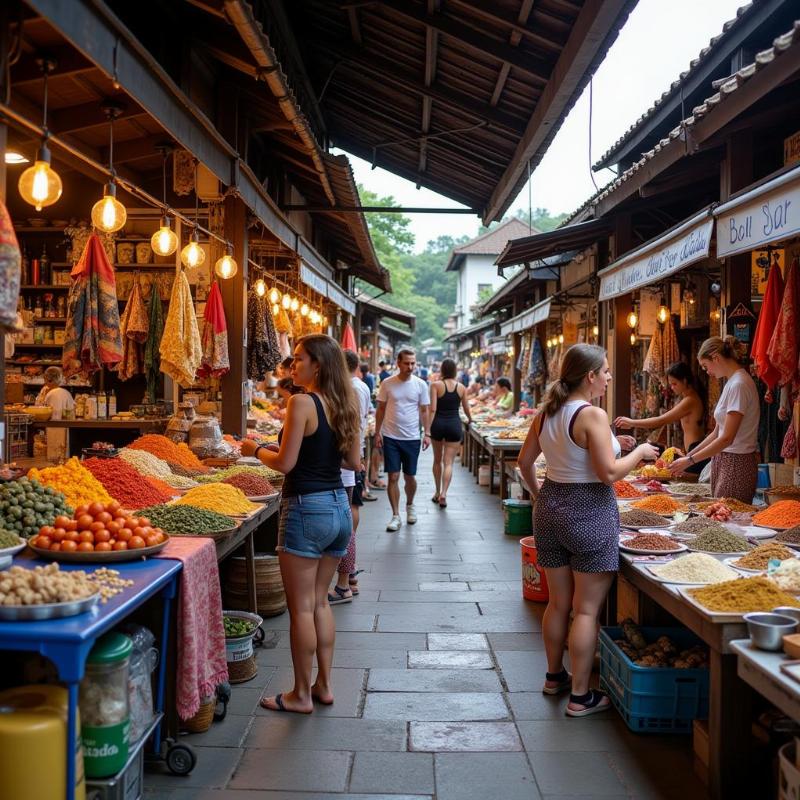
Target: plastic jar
(104,706)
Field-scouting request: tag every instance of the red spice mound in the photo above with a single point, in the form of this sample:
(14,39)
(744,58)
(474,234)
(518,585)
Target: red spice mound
(625,489)
(161,486)
(124,483)
(166,449)
(251,485)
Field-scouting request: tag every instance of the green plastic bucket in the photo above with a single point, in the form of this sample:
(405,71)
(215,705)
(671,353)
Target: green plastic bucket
(518,517)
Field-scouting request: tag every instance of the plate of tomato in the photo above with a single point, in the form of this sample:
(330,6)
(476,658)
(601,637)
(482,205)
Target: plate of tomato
(98,533)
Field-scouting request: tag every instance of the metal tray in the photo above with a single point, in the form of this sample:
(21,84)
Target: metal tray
(49,610)
(101,557)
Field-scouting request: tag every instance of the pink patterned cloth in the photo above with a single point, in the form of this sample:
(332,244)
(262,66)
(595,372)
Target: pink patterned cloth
(201,636)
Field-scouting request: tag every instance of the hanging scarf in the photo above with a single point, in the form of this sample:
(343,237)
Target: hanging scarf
(180,348)
(152,356)
(263,354)
(9,274)
(348,338)
(92,336)
(782,350)
(653,363)
(215,337)
(670,350)
(767,321)
(134,326)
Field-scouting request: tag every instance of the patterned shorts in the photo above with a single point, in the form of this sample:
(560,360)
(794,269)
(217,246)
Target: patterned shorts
(734,475)
(577,525)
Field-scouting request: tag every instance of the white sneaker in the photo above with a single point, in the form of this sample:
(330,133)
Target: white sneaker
(411,515)
(394,524)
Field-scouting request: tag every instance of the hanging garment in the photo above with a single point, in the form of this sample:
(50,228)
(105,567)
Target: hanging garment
(10,260)
(215,337)
(134,327)
(670,351)
(283,344)
(348,338)
(263,354)
(92,336)
(538,363)
(180,347)
(152,356)
(282,322)
(782,350)
(767,322)
(654,359)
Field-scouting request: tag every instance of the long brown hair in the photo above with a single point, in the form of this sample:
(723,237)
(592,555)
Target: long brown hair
(729,347)
(578,362)
(335,386)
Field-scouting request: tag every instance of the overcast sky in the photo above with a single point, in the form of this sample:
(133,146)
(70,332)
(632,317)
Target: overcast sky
(655,46)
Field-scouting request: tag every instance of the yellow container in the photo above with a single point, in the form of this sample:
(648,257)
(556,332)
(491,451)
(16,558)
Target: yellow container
(33,744)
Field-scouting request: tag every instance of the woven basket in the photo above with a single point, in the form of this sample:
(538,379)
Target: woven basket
(242,671)
(202,720)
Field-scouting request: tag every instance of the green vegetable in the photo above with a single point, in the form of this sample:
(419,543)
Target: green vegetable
(26,505)
(187,519)
(234,626)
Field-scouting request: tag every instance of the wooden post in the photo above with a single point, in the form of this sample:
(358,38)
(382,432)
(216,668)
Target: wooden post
(620,358)
(234,298)
(516,338)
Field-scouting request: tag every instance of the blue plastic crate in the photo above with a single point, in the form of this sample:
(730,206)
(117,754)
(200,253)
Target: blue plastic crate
(653,699)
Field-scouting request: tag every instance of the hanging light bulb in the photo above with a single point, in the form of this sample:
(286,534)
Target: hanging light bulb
(716,315)
(561,338)
(315,318)
(304,310)
(633,318)
(275,309)
(40,185)
(663,314)
(164,241)
(295,304)
(633,339)
(688,294)
(274,296)
(596,331)
(286,301)
(108,214)
(226,267)
(260,287)
(193,256)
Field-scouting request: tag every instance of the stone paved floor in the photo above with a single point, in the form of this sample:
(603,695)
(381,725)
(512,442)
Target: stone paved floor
(437,678)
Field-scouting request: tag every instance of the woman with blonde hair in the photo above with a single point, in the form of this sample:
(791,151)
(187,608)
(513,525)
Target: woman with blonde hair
(733,444)
(576,521)
(320,436)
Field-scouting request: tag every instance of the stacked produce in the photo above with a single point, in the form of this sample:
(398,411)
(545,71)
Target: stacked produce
(719,511)
(188,520)
(26,505)
(626,489)
(220,497)
(641,519)
(783,514)
(662,653)
(153,467)
(660,504)
(220,475)
(787,575)
(74,481)
(124,483)
(650,541)
(694,568)
(741,596)
(99,527)
(40,585)
(161,486)
(167,450)
(762,555)
(251,485)
(698,525)
(720,542)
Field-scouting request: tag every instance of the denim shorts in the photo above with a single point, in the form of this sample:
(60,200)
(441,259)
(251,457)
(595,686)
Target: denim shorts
(315,525)
(401,454)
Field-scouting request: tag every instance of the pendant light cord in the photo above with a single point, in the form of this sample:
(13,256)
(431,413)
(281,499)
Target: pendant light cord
(44,109)
(164,181)
(111,146)
(196,196)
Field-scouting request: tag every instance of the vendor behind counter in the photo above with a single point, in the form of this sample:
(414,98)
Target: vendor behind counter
(60,400)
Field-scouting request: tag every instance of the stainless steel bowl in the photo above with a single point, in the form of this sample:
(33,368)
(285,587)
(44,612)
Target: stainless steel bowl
(767,630)
(788,611)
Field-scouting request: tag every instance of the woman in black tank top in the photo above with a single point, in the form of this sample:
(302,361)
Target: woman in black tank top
(320,436)
(447,396)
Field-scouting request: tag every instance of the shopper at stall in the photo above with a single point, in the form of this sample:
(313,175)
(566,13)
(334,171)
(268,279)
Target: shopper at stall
(576,518)
(284,369)
(733,444)
(689,411)
(447,396)
(476,387)
(368,378)
(384,371)
(60,400)
(403,404)
(503,396)
(321,435)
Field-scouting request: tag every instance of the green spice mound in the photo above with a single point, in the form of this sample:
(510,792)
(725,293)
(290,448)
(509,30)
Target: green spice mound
(187,519)
(261,472)
(698,525)
(26,505)
(716,542)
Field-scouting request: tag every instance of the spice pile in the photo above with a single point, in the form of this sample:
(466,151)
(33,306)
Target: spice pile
(741,596)
(26,505)
(626,489)
(783,514)
(787,575)
(790,536)
(167,450)
(731,502)
(220,497)
(697,525)
(251,485)
(188,520)
(698,489)
(179,469)
(124,483)
(228,472)
(40,585)
(694,568)
(74,481)
(9,539)
(650,541)
(661,653)
(153,467)
(762,555)
(720,542)
(641,519)
(660,504)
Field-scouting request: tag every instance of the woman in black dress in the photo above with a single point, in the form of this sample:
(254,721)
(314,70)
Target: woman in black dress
(447,395)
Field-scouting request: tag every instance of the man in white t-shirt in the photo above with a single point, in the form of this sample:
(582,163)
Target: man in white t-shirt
(403,402)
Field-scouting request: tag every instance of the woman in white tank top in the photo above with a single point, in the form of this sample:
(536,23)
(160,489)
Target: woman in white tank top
(576,522)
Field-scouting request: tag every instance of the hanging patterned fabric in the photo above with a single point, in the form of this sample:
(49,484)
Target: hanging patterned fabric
(92,336)
(767,322)
(215,337)
(670,351)
(263,354)
(9,273)
(653,363)
(782,350)
(180,347)
(152,356)
(538,363)
(282,322)
(134,327)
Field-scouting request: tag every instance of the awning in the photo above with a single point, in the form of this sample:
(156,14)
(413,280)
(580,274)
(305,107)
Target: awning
(672,251)
(326,288)
(552,243)
(527,319)
(760,216)
(499,346)
(465,347)
(395,330)
(470,330)
(379,308)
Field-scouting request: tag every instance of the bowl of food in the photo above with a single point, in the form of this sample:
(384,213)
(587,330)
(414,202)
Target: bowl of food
(767,630)
(778,493)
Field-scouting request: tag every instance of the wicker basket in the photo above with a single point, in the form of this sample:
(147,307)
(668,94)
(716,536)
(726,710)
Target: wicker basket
(202,720)
(242,671)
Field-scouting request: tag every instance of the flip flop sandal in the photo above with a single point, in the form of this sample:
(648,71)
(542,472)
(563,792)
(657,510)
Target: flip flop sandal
(593,702)
(339,596)
(280,705)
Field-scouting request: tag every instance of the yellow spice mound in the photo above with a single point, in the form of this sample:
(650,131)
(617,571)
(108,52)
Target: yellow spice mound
(220,497)
(741,596)
(74,481)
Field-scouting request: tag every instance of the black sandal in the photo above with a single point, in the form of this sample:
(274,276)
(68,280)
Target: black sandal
(563,681)
(593,702)
(339,597)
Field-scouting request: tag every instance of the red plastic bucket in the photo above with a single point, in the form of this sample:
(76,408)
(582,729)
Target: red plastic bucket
(534,581)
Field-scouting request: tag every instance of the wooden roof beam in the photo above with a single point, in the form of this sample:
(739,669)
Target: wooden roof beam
(69,62)
(514,39)
(431,42)
(355,28)
(87,115)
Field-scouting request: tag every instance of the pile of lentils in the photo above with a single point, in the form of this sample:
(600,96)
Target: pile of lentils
(698,525)
(650,541)
(187,520)
(636,518)
(720,542)
(251,485)
(790,536)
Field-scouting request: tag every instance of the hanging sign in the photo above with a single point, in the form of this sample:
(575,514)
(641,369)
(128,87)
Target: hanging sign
(741,323)
(527,319)
(657,259)
(769,213)
(791,149)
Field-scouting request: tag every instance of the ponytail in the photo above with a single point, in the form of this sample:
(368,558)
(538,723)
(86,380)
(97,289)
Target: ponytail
(557,394)
(578,362)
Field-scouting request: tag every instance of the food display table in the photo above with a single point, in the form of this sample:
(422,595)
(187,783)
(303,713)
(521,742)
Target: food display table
(67,642)
(480,446)
(761,670)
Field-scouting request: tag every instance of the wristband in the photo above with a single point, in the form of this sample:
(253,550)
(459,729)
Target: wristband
(691,458)
(258,447)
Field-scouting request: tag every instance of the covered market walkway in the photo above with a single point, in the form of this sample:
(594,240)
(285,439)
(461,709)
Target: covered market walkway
(437,676)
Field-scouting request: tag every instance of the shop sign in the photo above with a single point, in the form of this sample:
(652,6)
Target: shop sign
(313,280)
(336,295)
(791,149)
(659,258)
(527,319)
(764,215)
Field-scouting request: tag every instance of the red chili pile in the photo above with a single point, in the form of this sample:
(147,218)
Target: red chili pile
(124,483)
(251,485)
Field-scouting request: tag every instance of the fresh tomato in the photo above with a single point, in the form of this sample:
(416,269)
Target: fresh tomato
(120,546)
(96,508)
(85,547)
(81,510)
(86,536)
(104,517)
(72,536)
(102,536)
(102,547)
(112,528)
(61,521)
(141,532)
(152,540)
(144,522)
(68,546)
(59,534)
(124,535)
(84,521)
(56,546)
(97,526)
(43,541)
(46,530)
(136,543)
(113,507)
(72,525)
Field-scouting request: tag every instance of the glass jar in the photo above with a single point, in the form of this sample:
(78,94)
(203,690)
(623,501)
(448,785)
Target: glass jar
(104,706)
